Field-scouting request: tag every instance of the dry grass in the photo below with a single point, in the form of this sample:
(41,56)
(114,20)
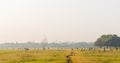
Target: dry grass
(96,57)
(58,56)
(33,56)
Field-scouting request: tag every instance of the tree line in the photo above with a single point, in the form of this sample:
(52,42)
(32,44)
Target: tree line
(47,45)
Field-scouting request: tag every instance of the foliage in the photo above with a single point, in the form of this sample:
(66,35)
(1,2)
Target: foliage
(108,40)
(47,45)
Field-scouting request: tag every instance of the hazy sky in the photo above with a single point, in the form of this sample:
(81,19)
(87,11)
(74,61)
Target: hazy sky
(59,20)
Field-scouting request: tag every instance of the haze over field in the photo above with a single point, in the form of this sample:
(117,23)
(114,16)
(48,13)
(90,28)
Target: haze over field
(59,20)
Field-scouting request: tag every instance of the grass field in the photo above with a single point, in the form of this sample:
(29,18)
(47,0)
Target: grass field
(33,56)
(58,56)
(96,57)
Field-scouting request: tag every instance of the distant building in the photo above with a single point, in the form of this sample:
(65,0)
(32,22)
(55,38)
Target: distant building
(44,42)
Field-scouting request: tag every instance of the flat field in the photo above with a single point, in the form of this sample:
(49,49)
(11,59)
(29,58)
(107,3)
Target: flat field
(58,56)
(33,56)
(96,57)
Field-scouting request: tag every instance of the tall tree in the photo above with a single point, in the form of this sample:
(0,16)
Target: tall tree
(108,40)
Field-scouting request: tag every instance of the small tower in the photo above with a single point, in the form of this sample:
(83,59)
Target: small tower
(44,42)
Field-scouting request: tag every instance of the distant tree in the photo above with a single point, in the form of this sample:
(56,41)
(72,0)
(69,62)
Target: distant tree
(108,40)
